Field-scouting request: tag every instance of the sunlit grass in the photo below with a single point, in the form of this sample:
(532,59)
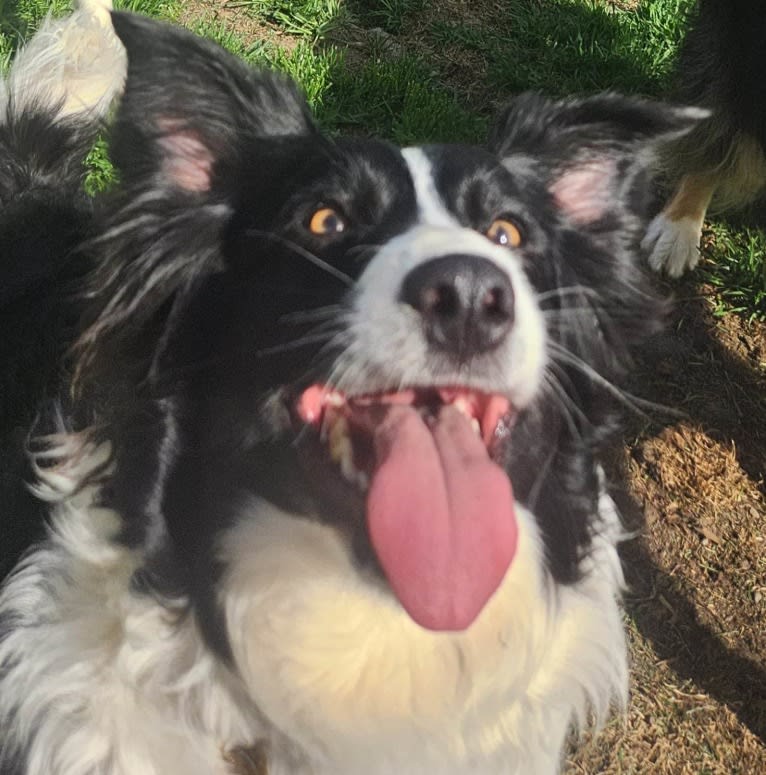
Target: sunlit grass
(736,266)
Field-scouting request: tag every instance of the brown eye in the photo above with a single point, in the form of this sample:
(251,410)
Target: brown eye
(505,233)
(326,221)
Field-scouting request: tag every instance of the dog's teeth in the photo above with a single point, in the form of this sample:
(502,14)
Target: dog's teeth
(338,442)
(476,426)
(341,449)
(463,407)
(347,467)
(334,398)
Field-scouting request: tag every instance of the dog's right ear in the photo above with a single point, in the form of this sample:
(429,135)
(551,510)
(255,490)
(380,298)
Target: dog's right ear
(189,105)
(589,150)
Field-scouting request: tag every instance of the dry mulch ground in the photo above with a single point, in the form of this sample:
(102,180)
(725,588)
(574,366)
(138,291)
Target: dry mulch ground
(696,604)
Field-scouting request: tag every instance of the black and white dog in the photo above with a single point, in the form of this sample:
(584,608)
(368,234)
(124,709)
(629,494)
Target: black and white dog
(324,491)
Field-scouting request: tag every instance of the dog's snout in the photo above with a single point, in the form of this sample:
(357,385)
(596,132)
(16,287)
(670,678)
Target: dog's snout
(466,303)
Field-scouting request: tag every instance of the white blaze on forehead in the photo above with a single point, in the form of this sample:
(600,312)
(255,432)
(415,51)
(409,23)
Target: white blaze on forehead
(431,207)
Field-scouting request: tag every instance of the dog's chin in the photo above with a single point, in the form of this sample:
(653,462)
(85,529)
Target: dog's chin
(396,469)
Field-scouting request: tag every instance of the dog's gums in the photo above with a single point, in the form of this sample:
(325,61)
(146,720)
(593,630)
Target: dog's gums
(490,415)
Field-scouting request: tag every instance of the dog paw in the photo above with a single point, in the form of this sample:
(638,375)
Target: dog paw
(673,246)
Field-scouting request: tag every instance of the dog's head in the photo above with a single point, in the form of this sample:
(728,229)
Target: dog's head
(400,344)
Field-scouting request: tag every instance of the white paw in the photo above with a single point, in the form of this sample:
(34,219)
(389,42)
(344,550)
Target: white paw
(673,246)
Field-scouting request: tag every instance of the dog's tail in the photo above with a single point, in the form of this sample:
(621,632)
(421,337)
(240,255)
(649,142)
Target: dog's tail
(72,68)
(52,106)
(55,98)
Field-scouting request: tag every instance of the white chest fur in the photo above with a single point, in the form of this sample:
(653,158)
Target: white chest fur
(329,672)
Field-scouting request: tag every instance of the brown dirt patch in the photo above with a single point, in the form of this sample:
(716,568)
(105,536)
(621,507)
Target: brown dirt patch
(236,18)
(696,603)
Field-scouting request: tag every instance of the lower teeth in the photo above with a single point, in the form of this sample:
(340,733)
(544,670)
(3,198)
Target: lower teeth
(342,452)
(340,446)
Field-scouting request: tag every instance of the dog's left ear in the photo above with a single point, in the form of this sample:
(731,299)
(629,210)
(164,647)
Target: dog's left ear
(589,150)
(189,106)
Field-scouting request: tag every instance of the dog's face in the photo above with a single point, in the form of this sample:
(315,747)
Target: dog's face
(383,340)
(401,345)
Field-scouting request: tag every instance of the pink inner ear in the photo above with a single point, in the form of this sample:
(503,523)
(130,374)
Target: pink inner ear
(585,191)
(187,162)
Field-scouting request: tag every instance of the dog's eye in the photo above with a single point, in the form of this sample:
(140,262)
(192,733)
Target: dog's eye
(326,221)
(505,233)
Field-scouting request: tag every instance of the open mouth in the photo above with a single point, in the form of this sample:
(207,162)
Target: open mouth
(439,509)
(347,425)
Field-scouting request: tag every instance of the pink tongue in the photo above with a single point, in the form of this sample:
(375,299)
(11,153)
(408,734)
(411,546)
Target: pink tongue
(440,517)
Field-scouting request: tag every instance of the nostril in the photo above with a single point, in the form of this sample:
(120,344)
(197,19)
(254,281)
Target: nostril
(441,301)
(496,305)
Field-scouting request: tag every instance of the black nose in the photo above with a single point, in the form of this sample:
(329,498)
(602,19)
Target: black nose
(466,303)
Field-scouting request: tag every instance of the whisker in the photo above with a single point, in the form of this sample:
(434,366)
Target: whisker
(570,290)
(362,250)
(633,402)
(569,408)
(568,311)
(307,254)
(294,344)
(312,315)
(534,492)
(219,359)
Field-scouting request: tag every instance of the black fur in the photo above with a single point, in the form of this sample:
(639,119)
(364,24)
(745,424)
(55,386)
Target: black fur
(721,65)
(44,217)
(190,349)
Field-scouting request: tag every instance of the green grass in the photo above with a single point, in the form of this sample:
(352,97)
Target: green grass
(735,264)
(574,46)
(304,18)
(408,86)
(389,15)
(400,97)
